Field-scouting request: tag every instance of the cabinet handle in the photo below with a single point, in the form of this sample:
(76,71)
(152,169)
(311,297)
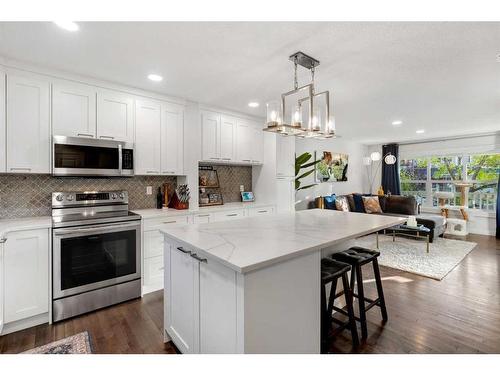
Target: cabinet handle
(232,215)
(3,240)
(246,160)
(203,260)
(155,172)
(85,135)
(226,158)
(214,158)
(261,212)
(170,172)
(20,169)
(170,222)
(106,137)
(207,215)
(180,248)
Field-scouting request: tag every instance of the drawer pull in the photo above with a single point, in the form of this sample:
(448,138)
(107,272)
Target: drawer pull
(106,137)
(180,248)
(3,240)
(262,211)
(226,158)
(155,172)
(206,215)
(20,169)
(232,215)
(85,135)
(203,260)
(246,160)
(170,222)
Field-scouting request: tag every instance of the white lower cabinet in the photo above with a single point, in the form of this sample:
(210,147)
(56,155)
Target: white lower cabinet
(228,215)
(153,250)
(201,302)
(25,283)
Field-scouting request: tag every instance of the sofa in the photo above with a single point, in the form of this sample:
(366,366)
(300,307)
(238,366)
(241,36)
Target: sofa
(393,205)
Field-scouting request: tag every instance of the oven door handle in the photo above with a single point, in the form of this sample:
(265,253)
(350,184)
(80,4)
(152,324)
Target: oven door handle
(120,159)
(62,232)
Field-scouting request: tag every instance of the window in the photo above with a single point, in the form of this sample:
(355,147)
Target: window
(423,177)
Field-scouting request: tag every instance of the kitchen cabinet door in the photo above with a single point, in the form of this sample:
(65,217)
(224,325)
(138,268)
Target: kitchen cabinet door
(26,274)
(115,116)
(3,151)
(73,110)
(285,193)
(257,146)
(285,156)
(28,124)
(217,331)
(210,128)
(172,139)
(244,136)
(227,138)
(147,138)
(181,293)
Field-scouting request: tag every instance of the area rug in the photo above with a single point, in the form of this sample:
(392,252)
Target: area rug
(409,255)
(76,344)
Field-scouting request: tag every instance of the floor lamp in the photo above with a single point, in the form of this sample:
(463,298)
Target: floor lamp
(372,164)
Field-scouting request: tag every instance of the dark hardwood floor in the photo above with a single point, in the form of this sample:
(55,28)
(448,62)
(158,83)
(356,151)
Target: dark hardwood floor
(460,314)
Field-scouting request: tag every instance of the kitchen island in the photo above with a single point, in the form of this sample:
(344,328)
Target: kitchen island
(253,285)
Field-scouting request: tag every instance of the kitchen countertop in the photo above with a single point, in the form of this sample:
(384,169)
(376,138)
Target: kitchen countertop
(149,213)
(26,223)
(251,243)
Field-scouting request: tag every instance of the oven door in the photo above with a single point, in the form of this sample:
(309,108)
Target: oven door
(74,156)
(93,257)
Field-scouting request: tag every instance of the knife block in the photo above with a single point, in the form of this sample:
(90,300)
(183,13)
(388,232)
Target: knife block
(177,204)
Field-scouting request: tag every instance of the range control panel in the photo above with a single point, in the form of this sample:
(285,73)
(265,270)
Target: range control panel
(88,198)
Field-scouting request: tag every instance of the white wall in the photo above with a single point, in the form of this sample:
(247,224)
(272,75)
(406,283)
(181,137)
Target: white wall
(356,174)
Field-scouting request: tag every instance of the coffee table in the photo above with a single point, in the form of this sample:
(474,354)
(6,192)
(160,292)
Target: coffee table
(404,230)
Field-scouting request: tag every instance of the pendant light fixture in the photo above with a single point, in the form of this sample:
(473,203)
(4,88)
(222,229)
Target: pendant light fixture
(302,112)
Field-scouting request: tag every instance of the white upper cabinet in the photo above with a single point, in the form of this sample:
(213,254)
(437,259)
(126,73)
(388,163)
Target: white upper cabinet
(227,138)
(210,136)
(147,138)
(244,136)
(28,124)
(73,110)
(3,151)
(257,144)
(172,139)
(26,274)
(285,156)
(115,116)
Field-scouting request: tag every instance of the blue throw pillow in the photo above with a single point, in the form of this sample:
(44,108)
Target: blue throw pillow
(330,202)
(358,203)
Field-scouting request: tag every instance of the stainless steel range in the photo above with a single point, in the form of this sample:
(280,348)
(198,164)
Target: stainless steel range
(95,252)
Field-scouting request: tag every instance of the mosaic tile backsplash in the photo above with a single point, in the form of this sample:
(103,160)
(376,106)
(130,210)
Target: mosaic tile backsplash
(230,179)
(30,195)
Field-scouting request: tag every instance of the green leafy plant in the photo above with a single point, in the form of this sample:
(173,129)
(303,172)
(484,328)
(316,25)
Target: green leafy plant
(301,163)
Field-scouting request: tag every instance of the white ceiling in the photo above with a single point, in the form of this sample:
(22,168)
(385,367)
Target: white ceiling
(441,77)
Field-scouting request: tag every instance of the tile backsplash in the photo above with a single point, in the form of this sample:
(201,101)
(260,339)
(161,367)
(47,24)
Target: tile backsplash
(230,179)
(30,195)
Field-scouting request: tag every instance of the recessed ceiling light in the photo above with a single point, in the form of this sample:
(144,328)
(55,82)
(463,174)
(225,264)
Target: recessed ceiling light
(397,122)
(155,77)
(67,25)
(253,104)
(420,131)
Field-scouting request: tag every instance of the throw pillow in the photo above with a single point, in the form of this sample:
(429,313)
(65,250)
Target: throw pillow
(350,201)
(358,203)
(372,205)
(342,204)
(330,202)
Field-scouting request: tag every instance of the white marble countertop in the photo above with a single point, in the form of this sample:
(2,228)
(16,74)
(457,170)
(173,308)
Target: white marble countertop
(149,213)
(26,223)
(251,243)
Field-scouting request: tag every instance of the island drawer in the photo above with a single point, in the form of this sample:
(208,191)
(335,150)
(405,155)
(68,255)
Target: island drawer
(228,215)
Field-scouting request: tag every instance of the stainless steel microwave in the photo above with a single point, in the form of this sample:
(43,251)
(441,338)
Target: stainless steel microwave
(73,156)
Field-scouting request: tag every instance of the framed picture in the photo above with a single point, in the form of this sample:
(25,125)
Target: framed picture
(332,166)
(247,196)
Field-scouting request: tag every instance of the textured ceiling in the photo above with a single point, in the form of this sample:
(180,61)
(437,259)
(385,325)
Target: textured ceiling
(441,77)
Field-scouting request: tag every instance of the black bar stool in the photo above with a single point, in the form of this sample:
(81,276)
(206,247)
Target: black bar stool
(357,257)
(331,271)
